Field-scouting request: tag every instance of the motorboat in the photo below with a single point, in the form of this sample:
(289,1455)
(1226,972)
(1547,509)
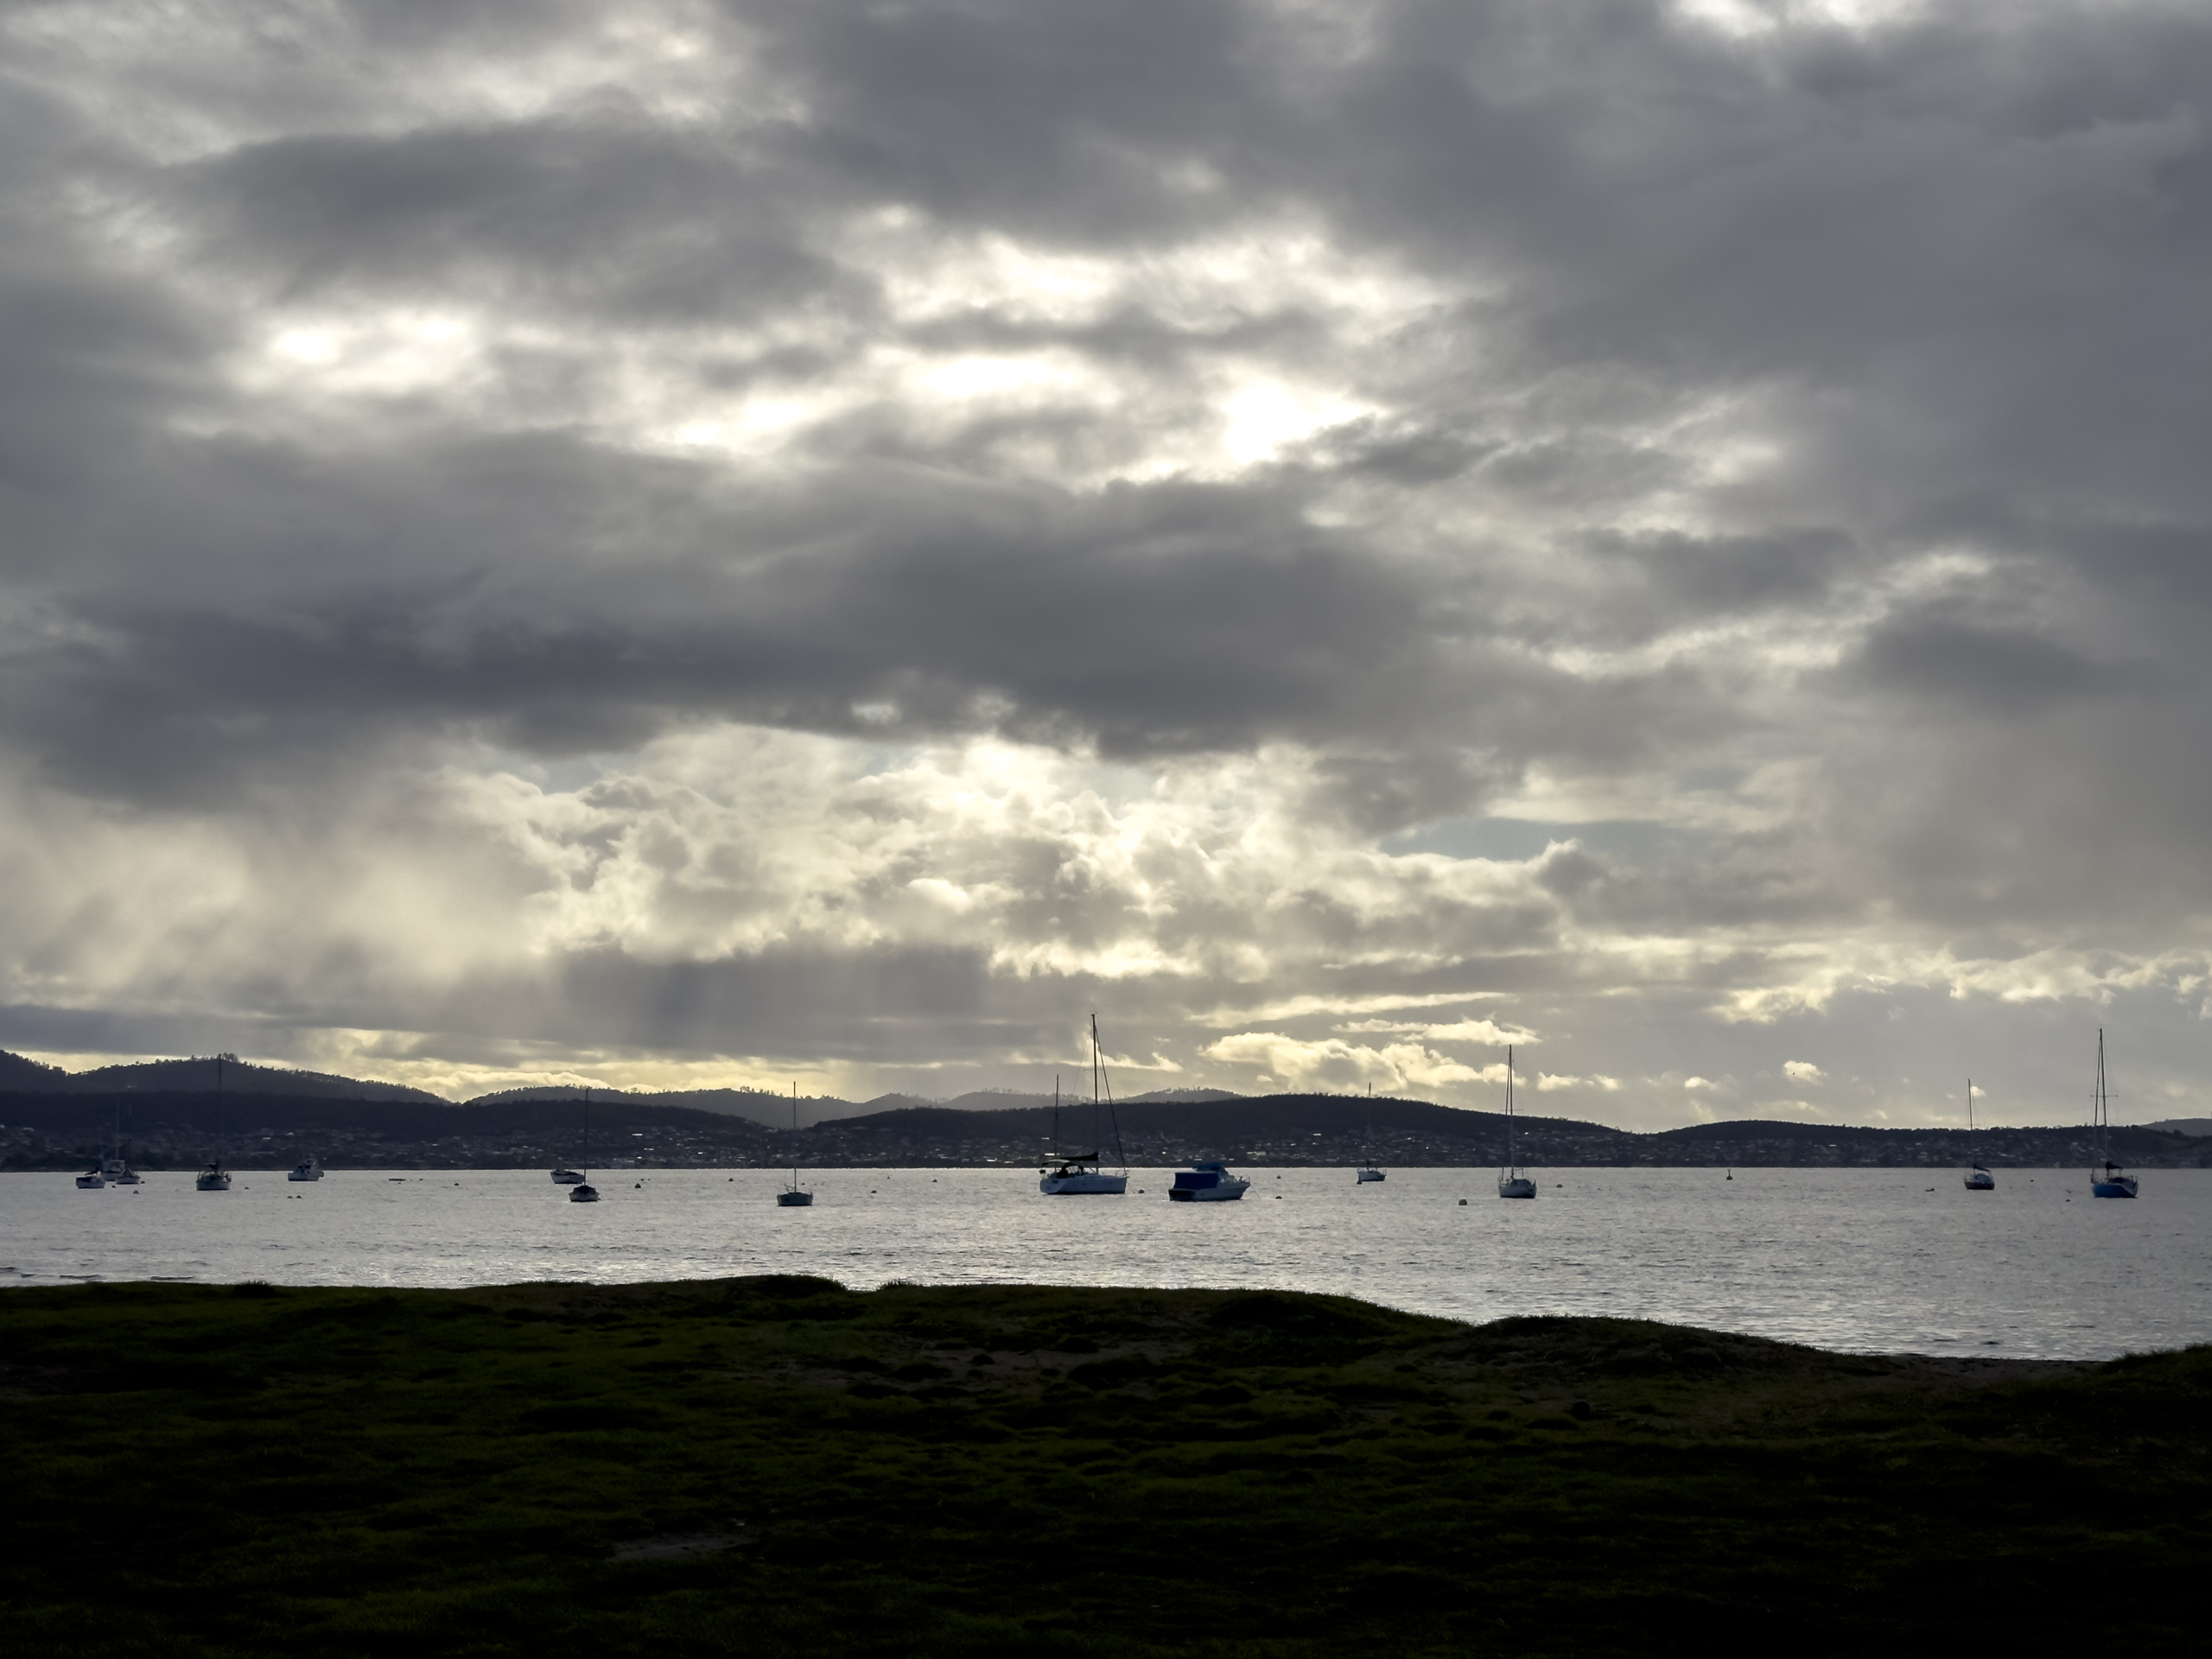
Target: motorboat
(1978,1180)
(306,1170)
(2106,1179)
(1207,1183)
(213,1179)
(1085,1172)
(1369,1173)
(567,1177)
(90,1179)
(1512,1182)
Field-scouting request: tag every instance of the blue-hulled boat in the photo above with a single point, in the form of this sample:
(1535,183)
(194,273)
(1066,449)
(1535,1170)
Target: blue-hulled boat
(2106,1179)
(581,1190)
(794,1197)
(1978,1180)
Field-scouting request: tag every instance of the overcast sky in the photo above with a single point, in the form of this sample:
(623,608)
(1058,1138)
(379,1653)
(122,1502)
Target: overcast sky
(684,545)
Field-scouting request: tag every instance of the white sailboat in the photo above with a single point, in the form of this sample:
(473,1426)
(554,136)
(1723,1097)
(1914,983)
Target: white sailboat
(2106,1179)
(1511,1182)
(117,1171)
(215,1178)
(1368,1171)
(1978,1180)
(582,1191)
(1081,1173)
(794,1197)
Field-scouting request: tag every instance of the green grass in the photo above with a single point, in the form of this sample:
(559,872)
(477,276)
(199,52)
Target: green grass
(999,1470)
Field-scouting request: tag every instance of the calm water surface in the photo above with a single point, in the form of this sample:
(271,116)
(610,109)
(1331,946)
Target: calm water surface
(1864,1259)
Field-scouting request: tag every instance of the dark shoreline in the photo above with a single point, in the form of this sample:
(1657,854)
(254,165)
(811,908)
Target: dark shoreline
(177,1131)
(756,1464)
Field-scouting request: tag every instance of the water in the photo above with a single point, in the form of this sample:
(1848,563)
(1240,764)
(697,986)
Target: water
(1869,1260)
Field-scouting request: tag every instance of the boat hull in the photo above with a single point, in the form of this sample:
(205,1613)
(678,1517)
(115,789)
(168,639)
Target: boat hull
(1981,1181)
(212,1183)
(794,1200)
(1088,1182)
(2122,1188)
(586,1193)
(1366,1175)
(1519,1188)
(88,1182)
(567,1177)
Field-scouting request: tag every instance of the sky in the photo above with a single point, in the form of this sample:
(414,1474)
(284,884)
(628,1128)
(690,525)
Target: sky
(684,545)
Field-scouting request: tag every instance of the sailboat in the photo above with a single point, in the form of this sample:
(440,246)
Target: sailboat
(1084,1171)
(1978,1180)
(794,1197)
(1368,1171)
(2106,1179)
(582,1191)
(1511,1182)
(215,1178)
(117,1171)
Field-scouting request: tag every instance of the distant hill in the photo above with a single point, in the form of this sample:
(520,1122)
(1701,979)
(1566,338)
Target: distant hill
(21,1076)
(762,1106)
(2184,1126)
(17,1073)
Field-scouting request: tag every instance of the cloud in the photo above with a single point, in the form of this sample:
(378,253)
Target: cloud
(838,536)
(1803,1071)
(1460,1031)
(1294,1064)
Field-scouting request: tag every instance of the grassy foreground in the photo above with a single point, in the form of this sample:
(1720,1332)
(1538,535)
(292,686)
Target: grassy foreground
(777,1465)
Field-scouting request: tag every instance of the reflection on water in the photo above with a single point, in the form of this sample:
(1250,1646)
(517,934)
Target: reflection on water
(1885,1261)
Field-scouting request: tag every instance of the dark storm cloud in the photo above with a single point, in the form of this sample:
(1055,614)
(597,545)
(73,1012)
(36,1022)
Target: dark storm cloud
(1820,406)
(1856,209)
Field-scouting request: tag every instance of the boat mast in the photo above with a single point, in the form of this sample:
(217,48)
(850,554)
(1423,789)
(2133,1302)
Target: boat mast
(2101,1109)
(1511,1167)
